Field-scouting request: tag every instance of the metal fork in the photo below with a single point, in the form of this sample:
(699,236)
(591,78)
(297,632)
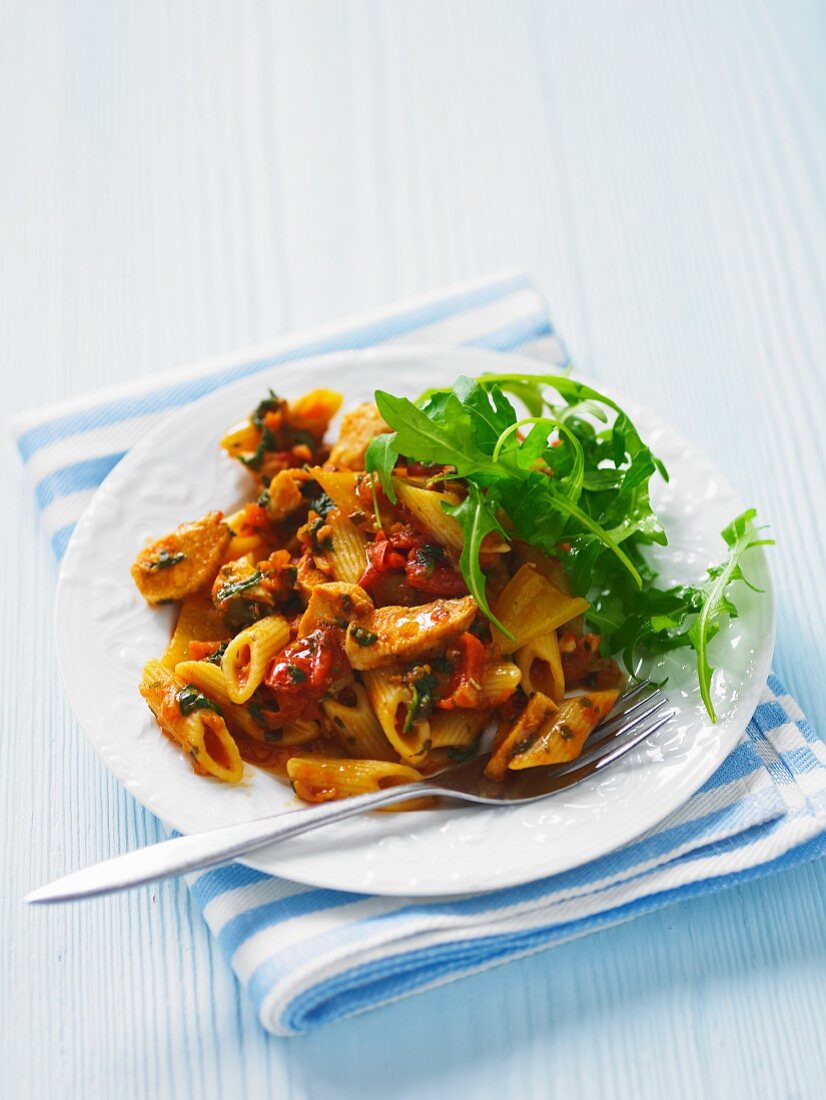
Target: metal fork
(637,715)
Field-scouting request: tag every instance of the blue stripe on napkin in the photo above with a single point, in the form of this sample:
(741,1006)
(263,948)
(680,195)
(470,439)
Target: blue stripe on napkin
(308,956)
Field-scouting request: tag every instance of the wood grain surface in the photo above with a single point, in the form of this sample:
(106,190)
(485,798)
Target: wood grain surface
(181,178)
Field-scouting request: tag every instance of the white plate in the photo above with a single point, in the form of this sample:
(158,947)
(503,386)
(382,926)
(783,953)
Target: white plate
(105,632)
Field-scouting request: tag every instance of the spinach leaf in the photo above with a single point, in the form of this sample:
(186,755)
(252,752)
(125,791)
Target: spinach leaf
(422,689)
(191,699)
(234,588)
(165,560)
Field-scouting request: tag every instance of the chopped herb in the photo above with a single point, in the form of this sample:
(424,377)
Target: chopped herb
(215,658)
(233,588)
(257,711)
(314,529)
(191,699)
(297,675)
(267,443)
(301,438)
(423,688)
(264,499)
(322,504)
(165,560)
(273,403)
(428,557)
(362,636)
(463,752)
(566,733)
(442,665)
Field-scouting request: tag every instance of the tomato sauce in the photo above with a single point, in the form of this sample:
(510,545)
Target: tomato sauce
(305,670)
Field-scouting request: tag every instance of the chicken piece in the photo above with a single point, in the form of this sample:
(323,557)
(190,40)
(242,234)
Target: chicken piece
(283,496)
(239,592)
(391,634)
(183,562)
(308,575)
(336,602)
(358,427)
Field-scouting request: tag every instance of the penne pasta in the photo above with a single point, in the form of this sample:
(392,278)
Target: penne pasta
(499,681)
(198,621)
(392,700)
(540,662)
(246,657)
(457,728)
(564,737)
(530,605)
(314,411)
(340,487)
(241,439)
(347,555)
(209,679)
(425,506)
(356,725)
(317,780)
(193,722)
(536,717)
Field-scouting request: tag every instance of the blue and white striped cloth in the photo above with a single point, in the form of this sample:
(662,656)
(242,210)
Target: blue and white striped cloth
(308,956)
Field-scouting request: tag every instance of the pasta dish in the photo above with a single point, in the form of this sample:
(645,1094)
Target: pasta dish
(445,570)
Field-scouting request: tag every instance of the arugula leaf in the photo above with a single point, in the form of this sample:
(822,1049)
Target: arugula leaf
(490,412)
(582,496)
(381,458)
(477,519)
(417,436)
(740,536)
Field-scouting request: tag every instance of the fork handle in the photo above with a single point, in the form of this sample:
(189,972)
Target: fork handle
(202,850)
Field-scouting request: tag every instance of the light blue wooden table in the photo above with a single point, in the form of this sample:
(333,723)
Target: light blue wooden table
(179,179)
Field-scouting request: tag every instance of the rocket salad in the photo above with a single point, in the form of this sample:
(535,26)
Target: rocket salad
(571,477)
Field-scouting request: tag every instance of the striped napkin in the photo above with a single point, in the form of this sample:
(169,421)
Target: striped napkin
(308,956)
